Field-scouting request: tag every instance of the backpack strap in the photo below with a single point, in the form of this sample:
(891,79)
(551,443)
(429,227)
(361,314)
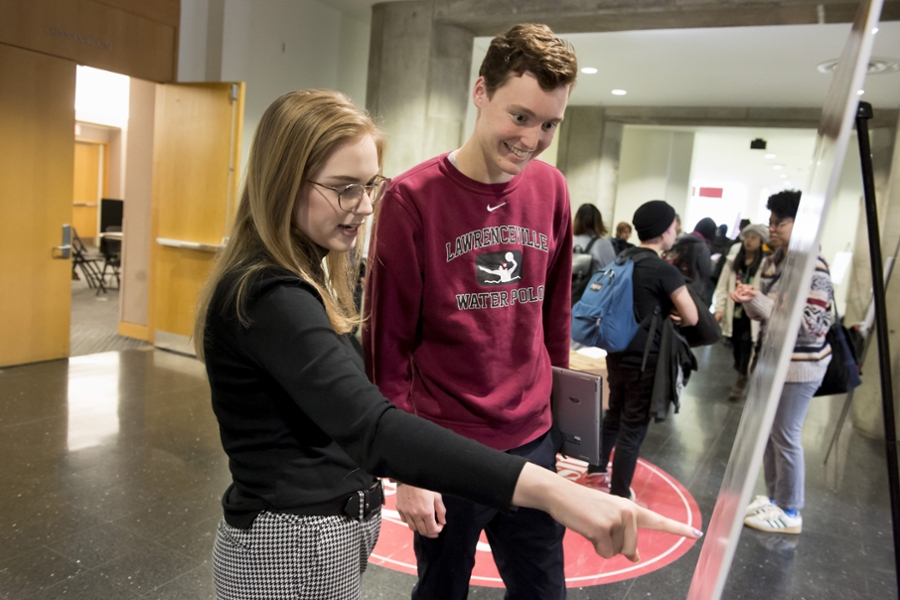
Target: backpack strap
(591,243)
(650,337)
(636,256)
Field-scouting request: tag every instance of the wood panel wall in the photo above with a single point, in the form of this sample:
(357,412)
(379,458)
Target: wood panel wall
(37,114)
(138,38)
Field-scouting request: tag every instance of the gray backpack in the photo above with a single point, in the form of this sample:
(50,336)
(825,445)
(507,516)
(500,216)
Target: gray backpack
(582,269)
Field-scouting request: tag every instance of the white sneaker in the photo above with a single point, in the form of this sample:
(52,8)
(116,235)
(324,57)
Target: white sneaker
(774,520)
(597,481)
(759,504)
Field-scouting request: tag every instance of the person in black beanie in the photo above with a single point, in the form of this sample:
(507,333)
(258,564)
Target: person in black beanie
(652,219)
(655,283)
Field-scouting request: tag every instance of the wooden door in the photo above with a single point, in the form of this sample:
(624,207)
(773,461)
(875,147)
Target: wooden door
(37,129)
(196,152)
(89,186)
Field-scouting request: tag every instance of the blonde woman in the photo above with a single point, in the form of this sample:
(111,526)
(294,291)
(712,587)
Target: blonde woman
(306,434)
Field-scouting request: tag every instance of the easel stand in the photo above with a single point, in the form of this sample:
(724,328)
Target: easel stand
(863,114)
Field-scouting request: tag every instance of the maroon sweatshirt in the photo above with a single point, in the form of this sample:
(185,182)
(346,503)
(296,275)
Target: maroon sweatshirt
(468,299)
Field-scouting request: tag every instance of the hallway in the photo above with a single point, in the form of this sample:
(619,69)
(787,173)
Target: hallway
(112,471)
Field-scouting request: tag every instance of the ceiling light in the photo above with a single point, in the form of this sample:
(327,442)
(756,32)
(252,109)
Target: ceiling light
(776,167)
(770,156)
(874,30)
(783,176)
(589,71)
(860,92)
(619,92)
(787,183)
(876,66)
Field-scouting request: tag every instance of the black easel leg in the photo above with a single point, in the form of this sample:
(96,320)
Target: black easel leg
(840,424)
(863,114)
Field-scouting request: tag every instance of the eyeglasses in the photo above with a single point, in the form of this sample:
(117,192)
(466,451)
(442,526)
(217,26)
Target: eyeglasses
(350,196)
(778,224)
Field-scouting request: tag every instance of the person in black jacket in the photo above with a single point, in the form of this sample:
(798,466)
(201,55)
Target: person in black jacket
(307,435)
(690,254)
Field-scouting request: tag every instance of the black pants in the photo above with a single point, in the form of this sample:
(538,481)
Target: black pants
(625,423)
(526,544)
(741,343)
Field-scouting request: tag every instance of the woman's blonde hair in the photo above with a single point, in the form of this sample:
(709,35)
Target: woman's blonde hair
(295,137)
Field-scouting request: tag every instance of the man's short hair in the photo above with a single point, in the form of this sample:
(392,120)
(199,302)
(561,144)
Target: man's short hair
(533,48)
(784,204)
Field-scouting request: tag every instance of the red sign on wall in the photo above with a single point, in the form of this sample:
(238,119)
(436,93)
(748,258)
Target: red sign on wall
(708,192)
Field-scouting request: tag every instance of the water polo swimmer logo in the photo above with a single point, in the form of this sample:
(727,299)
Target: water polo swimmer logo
(498,268)
(655,489)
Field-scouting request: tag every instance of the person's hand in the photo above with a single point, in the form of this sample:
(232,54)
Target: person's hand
(676,317)
(609,522)
(744,293)
(421,510)
(719,315)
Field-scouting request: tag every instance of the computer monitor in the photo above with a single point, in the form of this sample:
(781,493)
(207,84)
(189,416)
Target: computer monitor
(110,213)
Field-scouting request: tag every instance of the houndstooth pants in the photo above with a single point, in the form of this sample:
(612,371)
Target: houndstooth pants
(296,557)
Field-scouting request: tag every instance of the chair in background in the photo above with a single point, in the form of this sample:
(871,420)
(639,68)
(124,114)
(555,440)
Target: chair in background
(111,250)
(87,263)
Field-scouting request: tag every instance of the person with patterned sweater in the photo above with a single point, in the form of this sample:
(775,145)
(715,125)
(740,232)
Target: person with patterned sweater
(783,463)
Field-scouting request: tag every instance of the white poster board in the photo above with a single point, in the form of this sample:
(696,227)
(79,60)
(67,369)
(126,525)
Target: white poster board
(835,126)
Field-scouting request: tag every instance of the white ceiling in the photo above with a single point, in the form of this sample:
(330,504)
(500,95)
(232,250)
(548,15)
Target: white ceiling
(724,154)
(735,66)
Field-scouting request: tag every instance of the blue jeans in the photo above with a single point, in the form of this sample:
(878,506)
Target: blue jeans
(526,543)
(783,463)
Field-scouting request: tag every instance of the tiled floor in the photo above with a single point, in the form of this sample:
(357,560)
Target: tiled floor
(95,320)
(111,472)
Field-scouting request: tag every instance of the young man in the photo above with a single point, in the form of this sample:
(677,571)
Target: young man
(655,283)
(468,299)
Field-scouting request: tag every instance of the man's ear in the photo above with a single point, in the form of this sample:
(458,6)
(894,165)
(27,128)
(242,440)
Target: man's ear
(479,92)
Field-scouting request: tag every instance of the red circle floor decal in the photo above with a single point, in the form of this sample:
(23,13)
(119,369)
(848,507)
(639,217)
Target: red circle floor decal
(654,488)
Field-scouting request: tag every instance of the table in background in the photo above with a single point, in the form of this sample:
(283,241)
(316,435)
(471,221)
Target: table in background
(597,366)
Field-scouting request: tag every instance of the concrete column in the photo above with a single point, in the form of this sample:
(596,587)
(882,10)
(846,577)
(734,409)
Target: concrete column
(418,83)
(588,156)
(215,42)
(578,154)
(678,174)
(867,413)
(610,151)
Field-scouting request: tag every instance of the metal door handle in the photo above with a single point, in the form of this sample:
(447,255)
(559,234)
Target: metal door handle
(64,251)
(186,245)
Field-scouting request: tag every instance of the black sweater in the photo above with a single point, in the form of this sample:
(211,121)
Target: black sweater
(302,425)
